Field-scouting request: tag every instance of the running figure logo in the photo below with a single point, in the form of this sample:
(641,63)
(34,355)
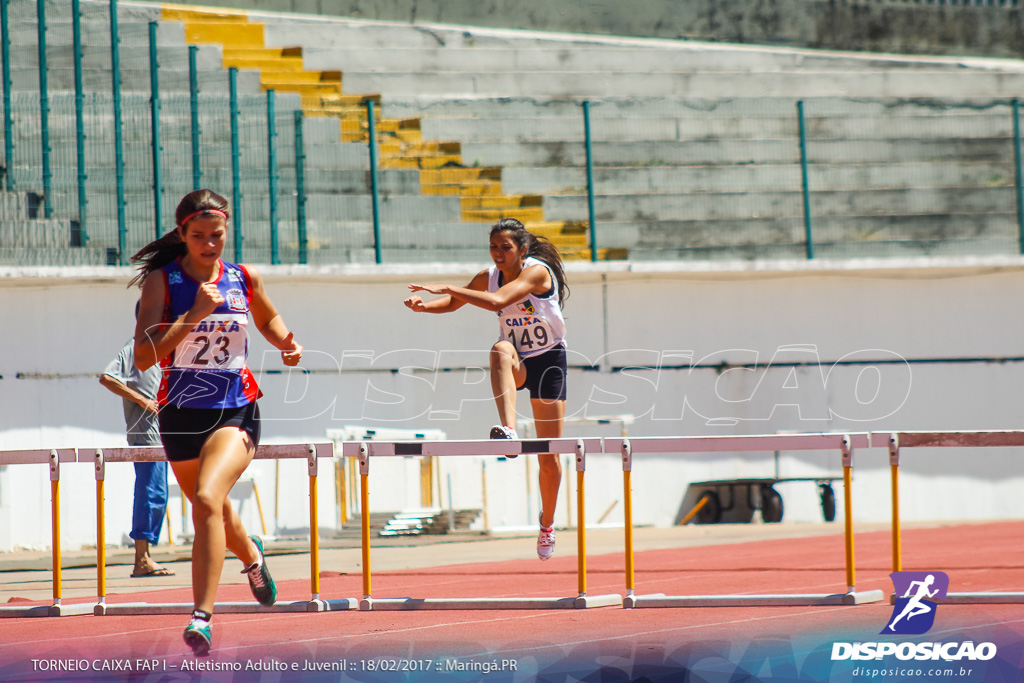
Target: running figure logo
(914,612)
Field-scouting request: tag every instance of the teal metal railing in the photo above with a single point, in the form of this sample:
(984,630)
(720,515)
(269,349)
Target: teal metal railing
(300,189)
(44,110)
(5,47)
(591,221)
(1018,175)
(194,127)
(82,238)
(273,177)
(804,183)
(154,110)
(236,177)
(115,71)
(374,186)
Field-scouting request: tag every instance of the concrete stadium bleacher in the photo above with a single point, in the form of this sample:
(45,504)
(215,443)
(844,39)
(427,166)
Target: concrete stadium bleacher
(695,146)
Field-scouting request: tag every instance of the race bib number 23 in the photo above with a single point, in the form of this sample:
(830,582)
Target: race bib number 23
(215,343)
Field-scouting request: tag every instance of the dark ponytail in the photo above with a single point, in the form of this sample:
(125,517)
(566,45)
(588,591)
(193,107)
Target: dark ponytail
(167,248)
(538,247)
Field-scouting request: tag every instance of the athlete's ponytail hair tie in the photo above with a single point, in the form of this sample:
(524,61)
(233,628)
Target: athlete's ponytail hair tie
(202,212)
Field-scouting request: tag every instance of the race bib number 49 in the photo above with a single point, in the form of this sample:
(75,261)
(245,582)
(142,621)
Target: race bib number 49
(216,343)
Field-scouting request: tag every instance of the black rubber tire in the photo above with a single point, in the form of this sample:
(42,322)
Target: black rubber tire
(828,502)
(711,513)
(771,505)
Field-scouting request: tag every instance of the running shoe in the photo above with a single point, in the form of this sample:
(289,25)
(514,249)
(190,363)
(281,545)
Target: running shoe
(260,582)
(198,635)
(545,540)
(503,432)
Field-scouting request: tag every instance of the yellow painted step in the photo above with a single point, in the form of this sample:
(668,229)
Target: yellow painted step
(458,175)
(262,52)
(227,33)
(265,64)
(529,213)
(312,90)
(352,114)
(564,242)
(190,13)
(426,162)
(409,136)
(547,228)
(391,146)
(345,101)
(403,124)
(270,78)
(502,201)
(612,254)
(466,189)
(335,100)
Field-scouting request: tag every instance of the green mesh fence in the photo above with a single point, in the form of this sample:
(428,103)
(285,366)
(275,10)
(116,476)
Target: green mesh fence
(677,179)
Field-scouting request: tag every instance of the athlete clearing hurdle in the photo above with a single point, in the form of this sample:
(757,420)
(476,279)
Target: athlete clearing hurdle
(526,287)
(193,321)
(914,605)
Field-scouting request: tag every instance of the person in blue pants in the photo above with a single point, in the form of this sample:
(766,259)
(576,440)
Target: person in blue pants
(137,390)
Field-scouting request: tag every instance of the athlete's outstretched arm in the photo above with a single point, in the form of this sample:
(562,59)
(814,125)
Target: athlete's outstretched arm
(155,339)
(534,279)
(447,303)
(270,323)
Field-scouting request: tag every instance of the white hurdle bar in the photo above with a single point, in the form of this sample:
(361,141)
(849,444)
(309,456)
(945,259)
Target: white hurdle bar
(895,441)
(51,457)
(845,443)
(366,450)
(312,453)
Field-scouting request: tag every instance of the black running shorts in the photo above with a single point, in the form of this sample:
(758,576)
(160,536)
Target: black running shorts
(545,374)
(185,430)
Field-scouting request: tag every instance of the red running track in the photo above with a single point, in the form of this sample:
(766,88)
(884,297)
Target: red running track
(609,643)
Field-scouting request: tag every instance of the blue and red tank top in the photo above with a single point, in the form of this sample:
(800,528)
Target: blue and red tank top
(207,369)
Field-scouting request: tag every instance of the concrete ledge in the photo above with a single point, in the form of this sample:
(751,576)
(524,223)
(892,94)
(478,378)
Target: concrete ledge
(923,267)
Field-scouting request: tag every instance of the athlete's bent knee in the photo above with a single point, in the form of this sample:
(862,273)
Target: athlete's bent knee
(206,505)
(503,352)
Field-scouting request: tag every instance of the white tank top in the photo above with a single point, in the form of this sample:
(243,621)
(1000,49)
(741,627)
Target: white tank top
(534,324)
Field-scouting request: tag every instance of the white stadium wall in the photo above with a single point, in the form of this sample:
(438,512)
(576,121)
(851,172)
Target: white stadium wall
(913,345)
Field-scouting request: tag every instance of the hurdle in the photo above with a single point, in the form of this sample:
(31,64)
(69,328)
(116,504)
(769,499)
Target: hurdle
(52,457)
(344,478)
(895,441)
(845,443)
(366,450)
(311,452)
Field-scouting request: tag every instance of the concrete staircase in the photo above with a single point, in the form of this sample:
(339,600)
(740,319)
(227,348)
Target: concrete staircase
(401,143)
(429,522)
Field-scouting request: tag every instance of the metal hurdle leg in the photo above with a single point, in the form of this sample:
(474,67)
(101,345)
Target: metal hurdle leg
(478,448)
(627,490)
(101,535)
(706,444)
(584,601)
